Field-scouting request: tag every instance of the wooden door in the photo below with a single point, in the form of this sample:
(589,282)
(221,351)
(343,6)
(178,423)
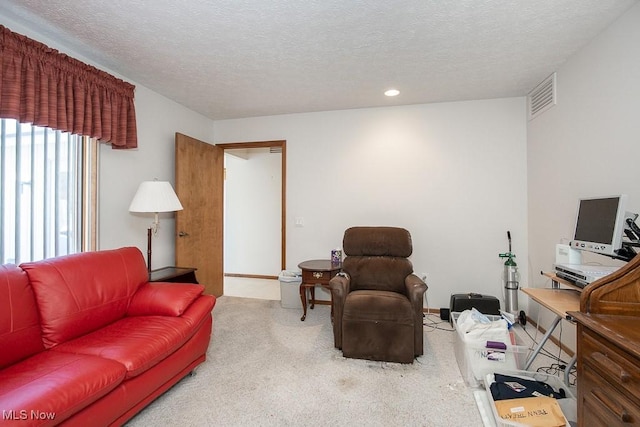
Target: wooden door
(199,185)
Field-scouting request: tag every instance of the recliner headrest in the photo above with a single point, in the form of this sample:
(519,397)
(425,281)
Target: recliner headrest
(377,241)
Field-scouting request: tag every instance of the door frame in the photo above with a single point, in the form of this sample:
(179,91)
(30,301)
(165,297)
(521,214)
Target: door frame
(282,144)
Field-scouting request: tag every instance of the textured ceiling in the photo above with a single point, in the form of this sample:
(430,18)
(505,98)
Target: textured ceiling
(243,58)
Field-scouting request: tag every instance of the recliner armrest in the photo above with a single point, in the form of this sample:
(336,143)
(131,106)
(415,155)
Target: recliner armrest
(415,287)
(163,299)
(340,286)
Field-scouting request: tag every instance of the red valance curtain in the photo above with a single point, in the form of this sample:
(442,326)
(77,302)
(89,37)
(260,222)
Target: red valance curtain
(42,86)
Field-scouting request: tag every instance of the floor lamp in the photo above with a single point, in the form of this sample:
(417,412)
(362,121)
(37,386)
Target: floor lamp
(154,197)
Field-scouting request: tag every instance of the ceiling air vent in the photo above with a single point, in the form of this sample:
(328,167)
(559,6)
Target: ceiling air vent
(542,97)
(275,150)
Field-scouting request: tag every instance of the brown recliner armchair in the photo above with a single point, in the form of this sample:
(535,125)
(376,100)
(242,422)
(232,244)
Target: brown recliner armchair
(377,300)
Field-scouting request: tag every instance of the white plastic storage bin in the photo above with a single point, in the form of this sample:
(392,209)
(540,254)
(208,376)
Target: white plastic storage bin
(290,289)
(476,360)
(568,405)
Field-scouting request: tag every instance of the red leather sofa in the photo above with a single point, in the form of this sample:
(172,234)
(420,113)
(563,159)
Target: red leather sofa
(85,339)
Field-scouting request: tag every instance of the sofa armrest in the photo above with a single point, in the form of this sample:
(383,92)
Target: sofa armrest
(163,299)
(340,286)
(415,288)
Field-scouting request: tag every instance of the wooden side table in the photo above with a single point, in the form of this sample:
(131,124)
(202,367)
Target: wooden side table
(315,272)
(174,274)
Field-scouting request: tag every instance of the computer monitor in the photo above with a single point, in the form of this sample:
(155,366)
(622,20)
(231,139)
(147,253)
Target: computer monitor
(600,224)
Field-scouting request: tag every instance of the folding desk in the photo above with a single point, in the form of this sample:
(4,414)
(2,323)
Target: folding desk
(559,302)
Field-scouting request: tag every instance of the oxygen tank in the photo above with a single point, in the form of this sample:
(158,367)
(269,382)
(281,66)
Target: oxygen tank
(510,279)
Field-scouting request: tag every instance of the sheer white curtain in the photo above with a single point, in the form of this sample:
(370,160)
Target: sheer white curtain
(41,191)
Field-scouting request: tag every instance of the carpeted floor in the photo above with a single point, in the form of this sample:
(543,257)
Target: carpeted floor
(267,368)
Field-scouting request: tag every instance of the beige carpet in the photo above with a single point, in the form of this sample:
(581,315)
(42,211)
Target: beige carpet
(267,368)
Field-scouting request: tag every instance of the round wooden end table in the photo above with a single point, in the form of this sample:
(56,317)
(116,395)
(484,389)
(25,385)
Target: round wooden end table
(315,272)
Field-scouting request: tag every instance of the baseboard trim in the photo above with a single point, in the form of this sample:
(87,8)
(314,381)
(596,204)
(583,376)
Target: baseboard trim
(251,276)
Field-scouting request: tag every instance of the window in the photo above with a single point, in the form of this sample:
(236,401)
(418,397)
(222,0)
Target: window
(47,192)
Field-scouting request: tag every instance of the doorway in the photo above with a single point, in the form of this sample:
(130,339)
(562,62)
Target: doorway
(255,209)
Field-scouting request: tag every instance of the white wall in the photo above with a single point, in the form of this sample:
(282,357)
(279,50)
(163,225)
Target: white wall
(252,223)
(453,174)
(588,144)
(121,171)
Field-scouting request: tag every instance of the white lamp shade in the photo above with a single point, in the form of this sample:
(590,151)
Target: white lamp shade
(155,196)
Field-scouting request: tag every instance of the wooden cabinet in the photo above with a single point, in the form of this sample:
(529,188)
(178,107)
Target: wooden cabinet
(609,349)
(608,370)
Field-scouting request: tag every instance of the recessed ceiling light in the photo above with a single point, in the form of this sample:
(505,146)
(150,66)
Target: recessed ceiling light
(392,92)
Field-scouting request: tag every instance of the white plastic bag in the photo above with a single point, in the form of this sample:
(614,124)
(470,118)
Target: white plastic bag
(478,327)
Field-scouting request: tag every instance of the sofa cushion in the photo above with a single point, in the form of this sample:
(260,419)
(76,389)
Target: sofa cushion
(379,273)
(378,306)
(19,324)
(79,293)
(137,342)
(165,299)
(55,384)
